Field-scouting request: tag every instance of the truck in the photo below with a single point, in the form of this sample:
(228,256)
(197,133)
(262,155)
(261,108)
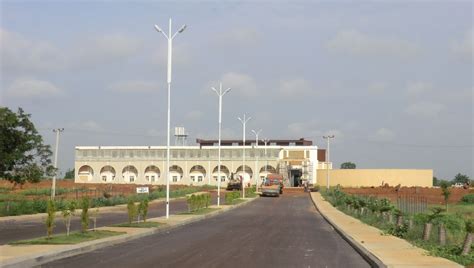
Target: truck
(272,185)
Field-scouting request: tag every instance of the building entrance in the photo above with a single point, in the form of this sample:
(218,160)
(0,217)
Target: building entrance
(295,178)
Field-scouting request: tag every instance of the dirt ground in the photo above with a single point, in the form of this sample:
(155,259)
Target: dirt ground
(432,195)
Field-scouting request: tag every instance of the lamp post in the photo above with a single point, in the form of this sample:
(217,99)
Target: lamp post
(256,159)
(265,141)
(53,186)
(170,38)
(328,138)
(244,122)
(219,93)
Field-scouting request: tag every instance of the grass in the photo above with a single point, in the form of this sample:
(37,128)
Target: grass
(148,224)
(201,211)
(236,201)
(73,238)
(463,210)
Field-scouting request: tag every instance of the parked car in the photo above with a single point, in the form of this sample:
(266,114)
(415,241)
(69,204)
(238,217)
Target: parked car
(272,185)
(234,184)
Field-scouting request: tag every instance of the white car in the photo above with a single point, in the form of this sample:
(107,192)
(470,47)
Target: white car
(458,185)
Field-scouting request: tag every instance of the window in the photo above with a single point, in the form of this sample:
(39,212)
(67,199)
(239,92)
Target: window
(152,178)
(147,178)
(132,178)
(175,178)
(104,178)
(181,154)
(114,154)
(215,178)
(222,178)
(292,143)
(199,178)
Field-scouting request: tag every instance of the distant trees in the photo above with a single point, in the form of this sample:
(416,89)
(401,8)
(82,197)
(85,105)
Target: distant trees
(69,174)
(348,165)
(461,178)
(23,155)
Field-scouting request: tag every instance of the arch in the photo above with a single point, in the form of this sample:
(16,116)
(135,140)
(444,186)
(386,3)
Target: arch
(85,173)
(246,174)
(129,173)
(107,174)
(224,173)
(176,173)
(152,173)
(268,168)
(197,173)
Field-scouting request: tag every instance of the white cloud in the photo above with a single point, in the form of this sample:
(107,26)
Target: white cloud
(20,54)
(465,47)
(294,87)
(134,86)
(418,88)
(194,115)
(239,37)
(105,48)
(31,88)
(382,134)
(425,109)
(241,84)
(357,43)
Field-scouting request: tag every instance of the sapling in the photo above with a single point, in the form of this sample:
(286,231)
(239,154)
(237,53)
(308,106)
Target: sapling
(85,203)
(132,210)
(51,211)
(94,215)
(68,213)
(468,240)
(144,210)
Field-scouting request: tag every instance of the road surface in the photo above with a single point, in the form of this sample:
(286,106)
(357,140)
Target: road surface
(269,232)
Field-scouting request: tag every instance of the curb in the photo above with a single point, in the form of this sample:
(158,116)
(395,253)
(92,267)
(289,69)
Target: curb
(367,255)
(73,250)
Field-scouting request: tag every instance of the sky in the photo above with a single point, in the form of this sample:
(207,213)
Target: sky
(391,80)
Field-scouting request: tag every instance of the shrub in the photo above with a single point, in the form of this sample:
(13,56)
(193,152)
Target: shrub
(85,204)
(51,210)
(468,199)
(196,202)
(68,213)
(231,196)
(132,210)
(315,188)
(144,209)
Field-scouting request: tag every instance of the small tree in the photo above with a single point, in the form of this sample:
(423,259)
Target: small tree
(69,174)
(132,210)
(461,178)
(51,211)
(446,193)
(68,213)
(436,213)
(85,204)
(468,240)
(348,165)
(144,209)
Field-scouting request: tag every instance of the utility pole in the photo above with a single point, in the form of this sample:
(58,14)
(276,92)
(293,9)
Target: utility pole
(219,93)
(244,122)
(256,173)
(265,141)
(53,187)
(328,138)
(170,38)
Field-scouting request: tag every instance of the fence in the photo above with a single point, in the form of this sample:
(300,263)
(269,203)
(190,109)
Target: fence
(412,204)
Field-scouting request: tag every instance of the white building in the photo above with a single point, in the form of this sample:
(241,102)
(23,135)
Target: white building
(296,160)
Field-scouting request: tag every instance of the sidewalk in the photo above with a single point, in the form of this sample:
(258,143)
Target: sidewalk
(32,255)
(389,250)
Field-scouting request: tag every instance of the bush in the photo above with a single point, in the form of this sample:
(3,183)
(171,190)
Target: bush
(315,188)
(468,199)
(231,196)
(197,202)
(132,210)
(51,210)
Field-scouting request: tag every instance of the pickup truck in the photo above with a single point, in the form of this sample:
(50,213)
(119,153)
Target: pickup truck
(272,185)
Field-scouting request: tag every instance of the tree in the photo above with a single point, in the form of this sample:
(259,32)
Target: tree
(85,204)
(461,178)
(69,174)
(24,156)
(51,211)
(468,240)
(348,165)
(445,192)
(68,213)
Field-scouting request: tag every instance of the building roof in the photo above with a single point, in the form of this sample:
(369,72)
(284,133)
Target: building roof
(299,142)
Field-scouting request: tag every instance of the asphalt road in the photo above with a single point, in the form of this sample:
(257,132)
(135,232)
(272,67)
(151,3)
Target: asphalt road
(269,232)
(13,230)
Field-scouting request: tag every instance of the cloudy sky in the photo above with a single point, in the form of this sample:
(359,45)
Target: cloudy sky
(393,81)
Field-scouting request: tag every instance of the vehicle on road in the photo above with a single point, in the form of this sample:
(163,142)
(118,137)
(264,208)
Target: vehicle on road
(235,183)
(272,185)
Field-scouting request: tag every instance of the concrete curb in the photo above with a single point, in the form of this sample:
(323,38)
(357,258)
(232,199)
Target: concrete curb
(72,250)
(367,255)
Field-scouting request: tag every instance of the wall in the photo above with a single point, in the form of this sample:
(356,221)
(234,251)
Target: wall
(375,177)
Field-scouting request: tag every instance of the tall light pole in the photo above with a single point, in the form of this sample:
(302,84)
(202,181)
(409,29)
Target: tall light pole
(328,138)
(170,38)
(219,93)
(256,159)
(244,122)
(265,141)
(53,187)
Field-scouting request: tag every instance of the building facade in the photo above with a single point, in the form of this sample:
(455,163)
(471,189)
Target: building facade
(297,160)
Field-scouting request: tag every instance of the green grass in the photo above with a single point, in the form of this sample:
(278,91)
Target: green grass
(201,211)
(148,224)
(73,238)
(236,201)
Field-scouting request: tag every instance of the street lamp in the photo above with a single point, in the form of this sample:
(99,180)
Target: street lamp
(256,159)
(53,186)
(265,141)
(170,38)
(244,122)
(219,93)
(328,138)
